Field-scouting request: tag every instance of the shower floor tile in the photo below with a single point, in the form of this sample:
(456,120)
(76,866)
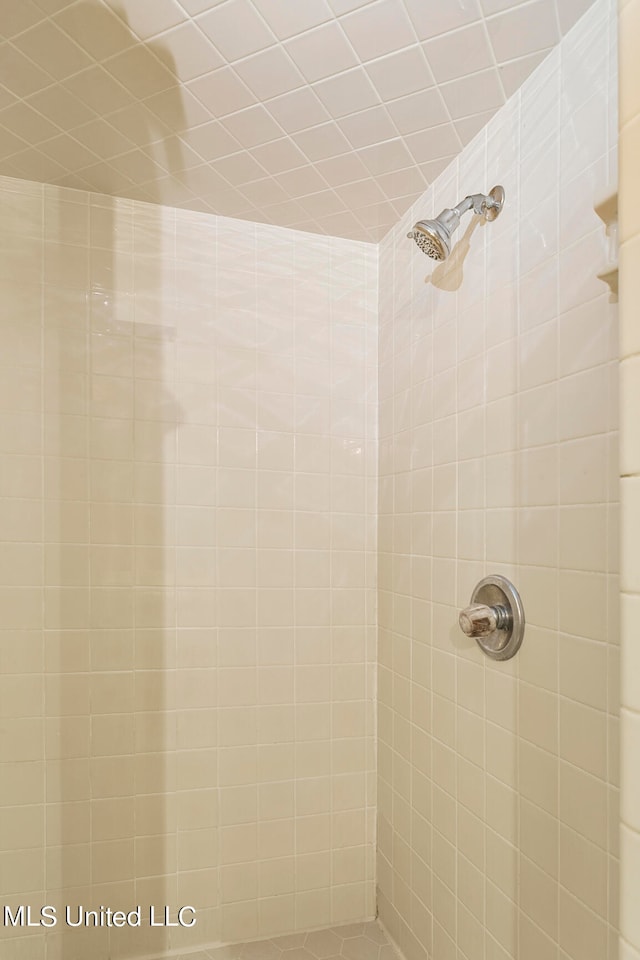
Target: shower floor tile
(355,941)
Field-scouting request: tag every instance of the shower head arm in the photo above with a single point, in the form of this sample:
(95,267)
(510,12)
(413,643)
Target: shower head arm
(479,202)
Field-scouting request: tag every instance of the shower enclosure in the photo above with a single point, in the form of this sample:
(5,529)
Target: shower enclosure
(249,477)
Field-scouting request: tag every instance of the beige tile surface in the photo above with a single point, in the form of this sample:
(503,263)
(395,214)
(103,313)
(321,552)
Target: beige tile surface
(254,108)
(498,454)
(629,222)
(354,941)
(188,523)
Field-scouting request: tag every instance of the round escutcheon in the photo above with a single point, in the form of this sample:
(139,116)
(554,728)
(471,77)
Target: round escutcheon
(495,617)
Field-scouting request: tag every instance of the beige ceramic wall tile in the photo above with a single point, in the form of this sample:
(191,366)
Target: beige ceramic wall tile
(177,715)
(629,114)
(513,457)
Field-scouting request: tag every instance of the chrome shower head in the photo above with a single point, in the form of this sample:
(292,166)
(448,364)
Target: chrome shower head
(434,236)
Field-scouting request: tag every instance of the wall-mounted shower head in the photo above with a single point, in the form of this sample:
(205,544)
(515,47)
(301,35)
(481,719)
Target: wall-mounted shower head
(434,236)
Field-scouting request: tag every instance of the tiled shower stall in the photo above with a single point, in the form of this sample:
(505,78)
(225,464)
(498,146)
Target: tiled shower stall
(249,475)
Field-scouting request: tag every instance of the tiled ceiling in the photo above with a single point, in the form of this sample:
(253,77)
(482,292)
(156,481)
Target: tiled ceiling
(324,115)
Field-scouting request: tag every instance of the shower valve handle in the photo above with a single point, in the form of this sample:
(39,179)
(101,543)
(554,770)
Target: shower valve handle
(480,620)
(494,617)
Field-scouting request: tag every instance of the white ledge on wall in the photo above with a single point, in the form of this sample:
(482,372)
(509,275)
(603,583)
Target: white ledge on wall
(607,210)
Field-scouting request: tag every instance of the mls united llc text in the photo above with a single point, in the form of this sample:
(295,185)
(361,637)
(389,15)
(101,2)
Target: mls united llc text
(78,916)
